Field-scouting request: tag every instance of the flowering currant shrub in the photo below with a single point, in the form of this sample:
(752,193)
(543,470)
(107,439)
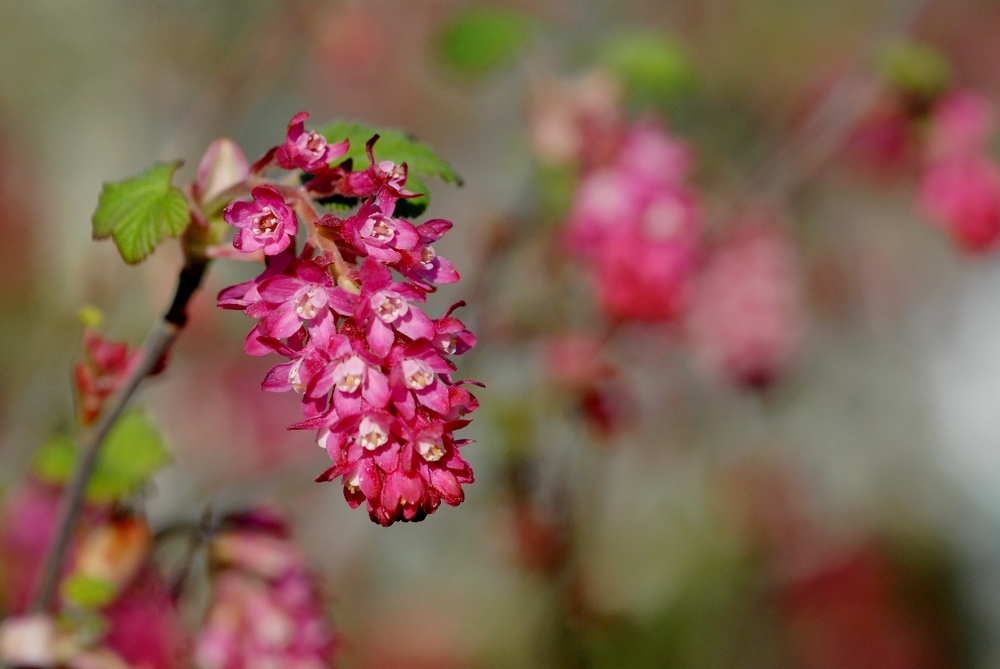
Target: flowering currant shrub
(373,369)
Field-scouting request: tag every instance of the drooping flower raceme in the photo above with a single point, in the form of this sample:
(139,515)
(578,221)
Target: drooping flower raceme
(746,319)
(635,225)
(265,610)
(960,187)
(346,311)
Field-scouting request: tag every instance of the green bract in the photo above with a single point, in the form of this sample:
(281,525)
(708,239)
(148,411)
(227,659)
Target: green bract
(140,212)
(131,453)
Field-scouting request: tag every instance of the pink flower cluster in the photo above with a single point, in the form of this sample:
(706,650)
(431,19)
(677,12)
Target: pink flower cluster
(104,368)
(635,224)
(746,319)
(264,611)
(960,186)
(372,367)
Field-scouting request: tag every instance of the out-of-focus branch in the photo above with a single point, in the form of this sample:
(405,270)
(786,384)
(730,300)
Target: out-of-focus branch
(821,137)
(158,342)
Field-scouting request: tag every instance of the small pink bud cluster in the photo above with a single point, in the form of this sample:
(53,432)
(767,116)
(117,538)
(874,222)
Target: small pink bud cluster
(105,366)
(635,224)
(960,186)
(372,368)
(745,323)
(264,611)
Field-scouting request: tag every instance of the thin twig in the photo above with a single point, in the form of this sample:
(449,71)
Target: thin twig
(158,342)
(819,140)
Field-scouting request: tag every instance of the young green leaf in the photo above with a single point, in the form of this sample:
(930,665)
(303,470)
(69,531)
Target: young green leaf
(87,592)
(131,454)
(394,145)
(652,66)
(141,212)
(480,40)
(914,68)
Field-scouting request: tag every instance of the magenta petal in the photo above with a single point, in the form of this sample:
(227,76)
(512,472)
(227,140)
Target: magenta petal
(374,275)
(335,151)
(387,458)
(435,397)
(251,346)
(341,301)
(376,389)
(382,253)
(246,242)
(415,324)
(433,230)
(275,246)
(447,486)
(268,196)
(371,483)
(297,125)
(406,237)
(347,404)
(442,271)
(280,289)
(238,213)
(282,322)
(236,297)
(380,336)
(276,380)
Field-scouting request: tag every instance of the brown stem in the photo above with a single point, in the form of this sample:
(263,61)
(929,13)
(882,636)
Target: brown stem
(158,342)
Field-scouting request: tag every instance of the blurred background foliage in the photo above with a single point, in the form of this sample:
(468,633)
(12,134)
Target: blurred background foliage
(848,517)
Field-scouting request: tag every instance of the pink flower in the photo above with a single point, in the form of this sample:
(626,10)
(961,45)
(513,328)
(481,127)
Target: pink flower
(307,150)
(267,223)
(653,156)
(222,167)
(242,295)
(402,471)
(144,625)
(413,379)
(355,378)
(370,232)
(303,297)
(746,319)
(450,335)
(961,125)
(639,279)
(385,306)
(27,527)
(423,265)
(962,196)
(265,609)
(105,367)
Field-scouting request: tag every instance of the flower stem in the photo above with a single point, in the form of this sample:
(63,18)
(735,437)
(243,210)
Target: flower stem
(158,342)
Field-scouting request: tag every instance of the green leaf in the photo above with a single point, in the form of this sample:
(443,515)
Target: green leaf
(394,145)
(651,65)
(88,592)
(915,68)
(140,212)
(55,459)
(132,452)
(480,40)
